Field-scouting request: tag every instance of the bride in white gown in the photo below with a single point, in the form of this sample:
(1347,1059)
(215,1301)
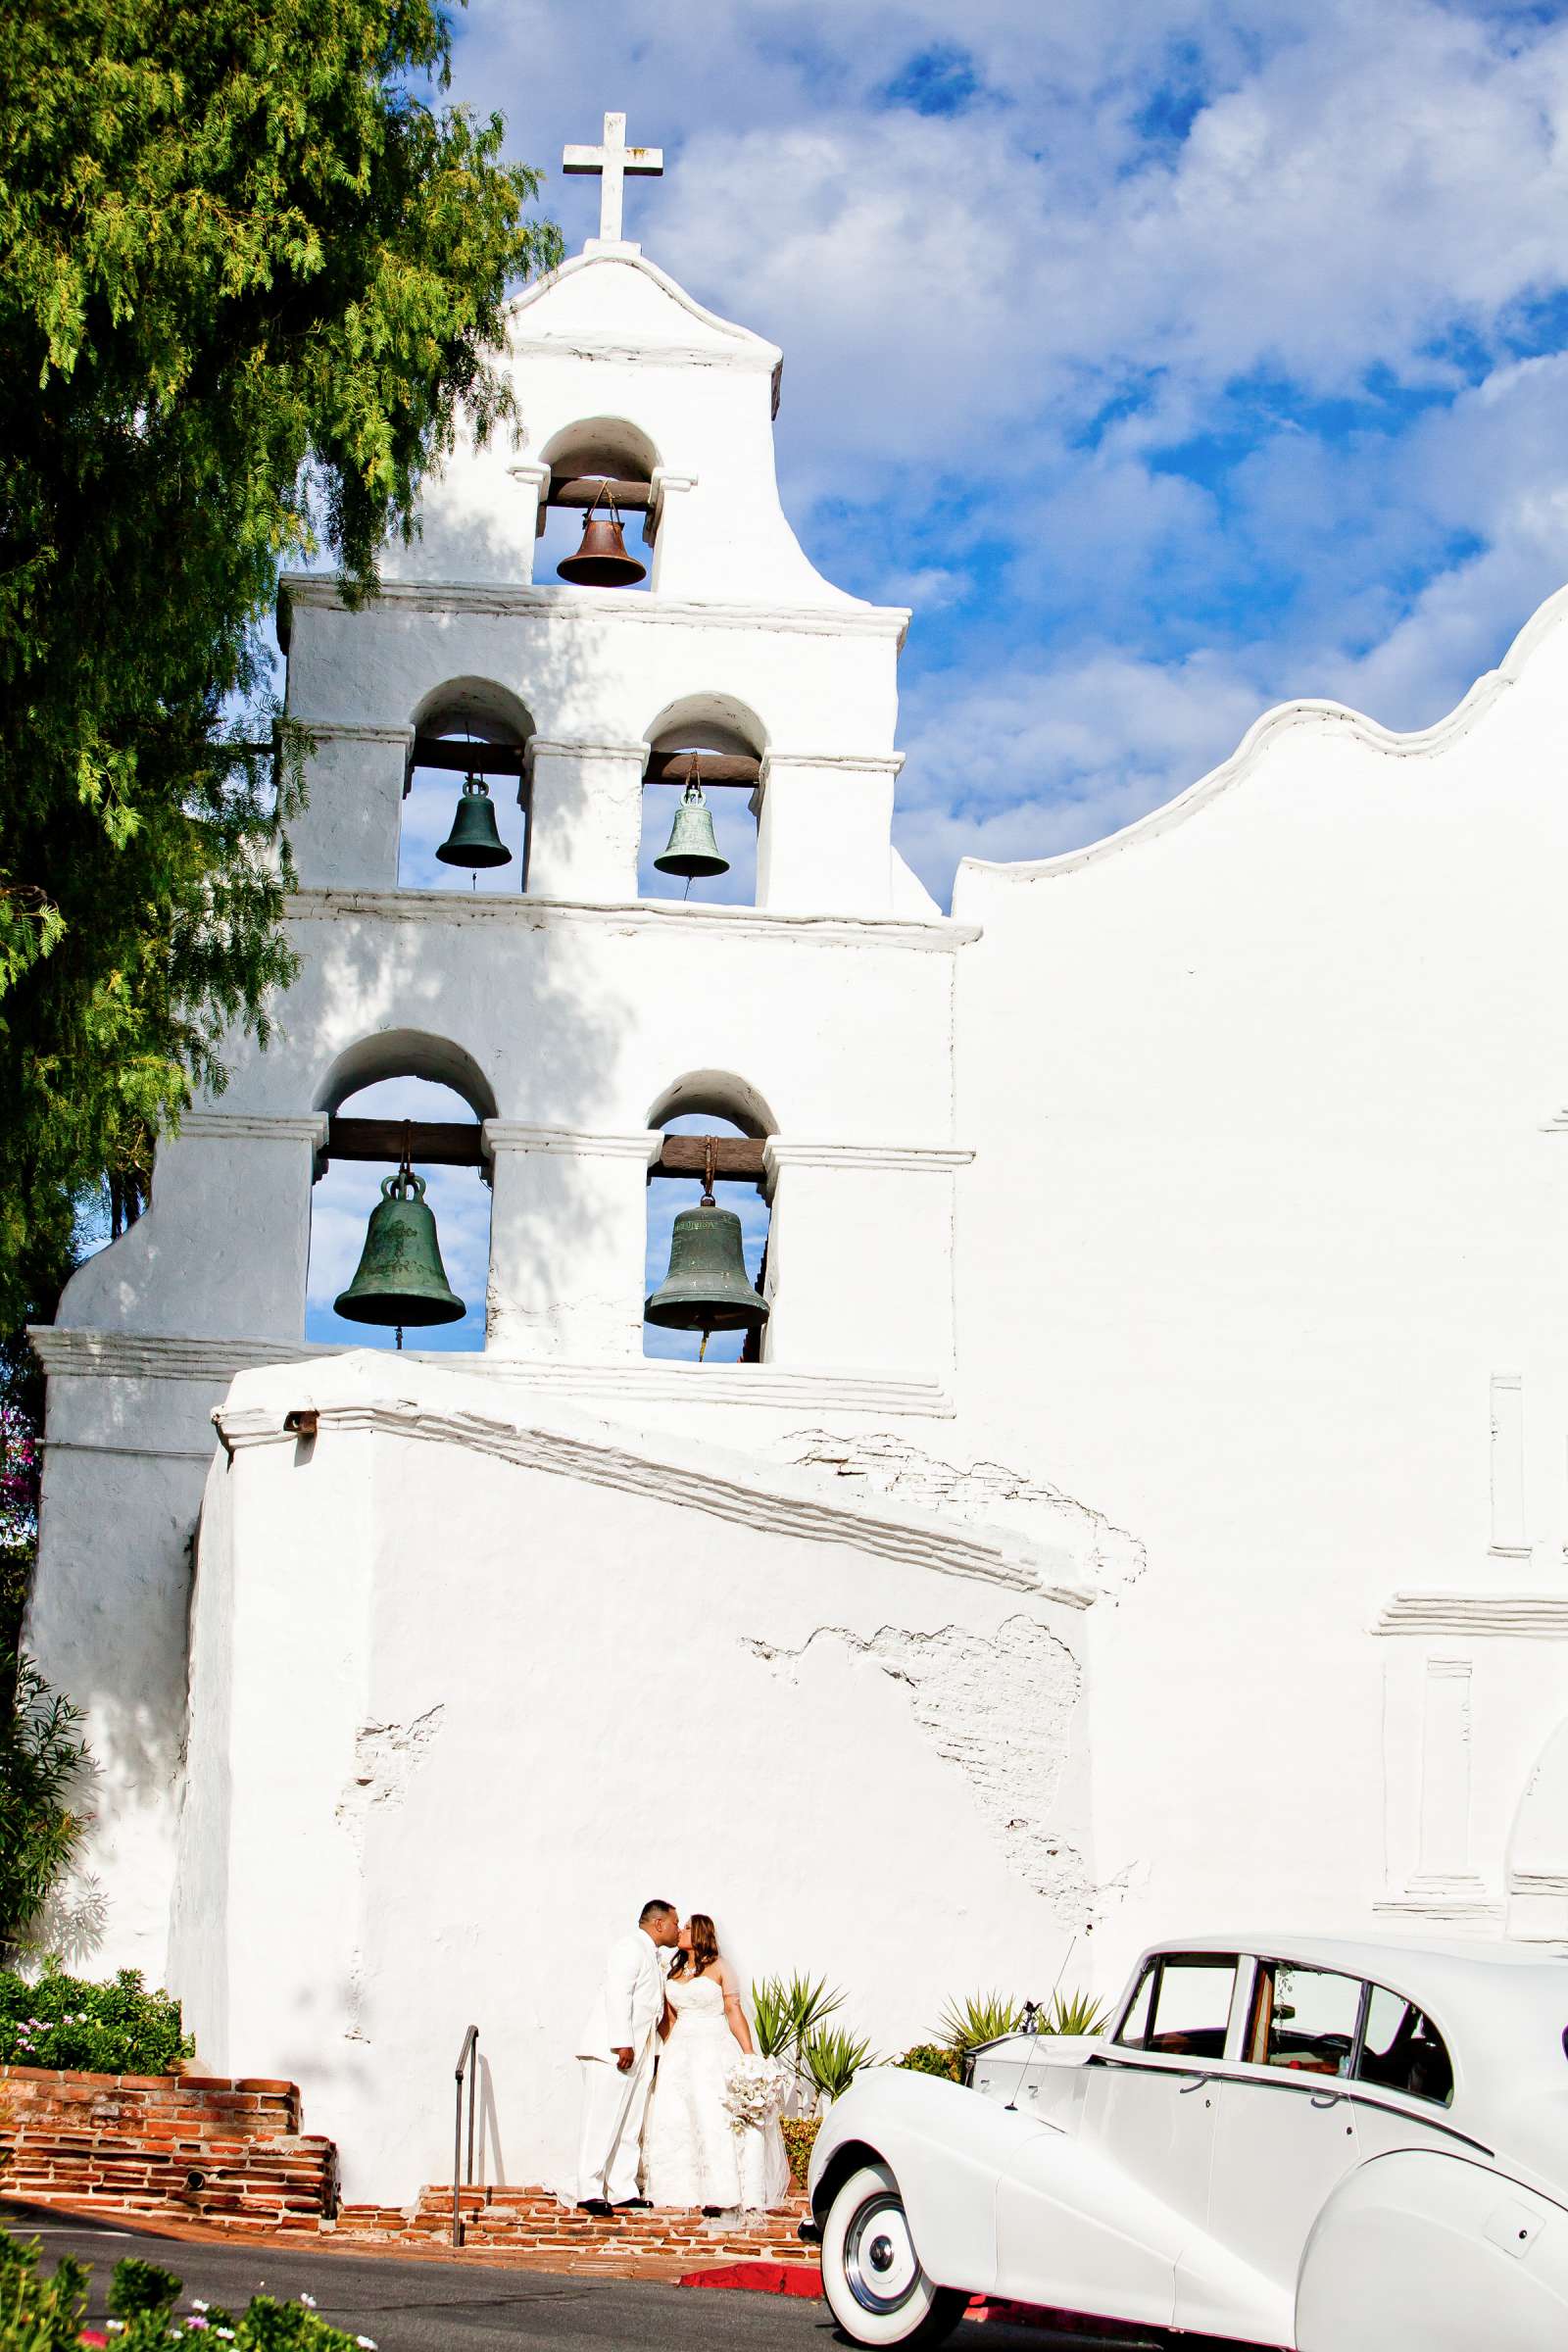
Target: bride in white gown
(691,2154)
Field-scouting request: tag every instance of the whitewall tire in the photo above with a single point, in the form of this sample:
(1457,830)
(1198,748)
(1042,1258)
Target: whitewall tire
(871,2275)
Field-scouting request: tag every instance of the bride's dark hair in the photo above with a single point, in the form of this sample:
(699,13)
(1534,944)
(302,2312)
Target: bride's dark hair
(704,1947)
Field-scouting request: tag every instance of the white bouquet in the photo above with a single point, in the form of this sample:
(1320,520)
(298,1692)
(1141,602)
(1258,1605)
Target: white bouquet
(753,2093)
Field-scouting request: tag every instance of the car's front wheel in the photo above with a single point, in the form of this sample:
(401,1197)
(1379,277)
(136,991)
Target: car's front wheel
(871,2275)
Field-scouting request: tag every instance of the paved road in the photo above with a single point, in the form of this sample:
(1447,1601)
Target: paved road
(430,2306)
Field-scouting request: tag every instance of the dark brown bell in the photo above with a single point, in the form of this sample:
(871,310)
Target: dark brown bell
(602,561)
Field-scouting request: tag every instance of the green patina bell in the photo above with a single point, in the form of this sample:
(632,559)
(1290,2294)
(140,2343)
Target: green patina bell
(400,1278)
(706,1287)
(691,848)
(474,839)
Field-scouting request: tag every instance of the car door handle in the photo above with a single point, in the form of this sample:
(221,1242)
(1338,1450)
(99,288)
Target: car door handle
(1193,2083)
(1326,2099)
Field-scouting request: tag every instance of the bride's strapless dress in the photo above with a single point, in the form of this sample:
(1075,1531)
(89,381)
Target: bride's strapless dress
(690,2154)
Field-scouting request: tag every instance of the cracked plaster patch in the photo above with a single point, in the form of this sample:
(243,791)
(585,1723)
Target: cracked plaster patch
(386,1756)
(1074,1539)
(998,1709)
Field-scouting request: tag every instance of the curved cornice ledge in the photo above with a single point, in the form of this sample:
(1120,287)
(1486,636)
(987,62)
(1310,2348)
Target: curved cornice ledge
(1284,719)
(783,1505)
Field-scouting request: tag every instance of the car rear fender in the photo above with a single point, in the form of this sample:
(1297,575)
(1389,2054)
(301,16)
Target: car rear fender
(1424,2248)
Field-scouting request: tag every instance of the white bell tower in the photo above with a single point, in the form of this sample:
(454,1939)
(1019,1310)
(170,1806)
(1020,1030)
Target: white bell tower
(575,1015)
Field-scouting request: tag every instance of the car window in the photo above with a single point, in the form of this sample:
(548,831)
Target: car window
(1402,2050)
(1182,2006)
(1304,2019)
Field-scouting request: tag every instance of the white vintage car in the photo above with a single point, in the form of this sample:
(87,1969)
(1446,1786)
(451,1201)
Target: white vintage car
(1329,2145)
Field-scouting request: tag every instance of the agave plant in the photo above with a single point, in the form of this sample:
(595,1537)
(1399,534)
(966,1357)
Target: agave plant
(1072,2013)
(982,2017)
(833,2058)
(787,2013)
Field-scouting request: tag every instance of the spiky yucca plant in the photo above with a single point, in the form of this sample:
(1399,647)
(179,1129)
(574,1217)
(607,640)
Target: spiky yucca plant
(833,2059)
(982,2017)
(786,2013)
(1073,2013)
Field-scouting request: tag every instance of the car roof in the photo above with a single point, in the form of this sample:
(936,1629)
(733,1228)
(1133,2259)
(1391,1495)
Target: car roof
(1457,1983)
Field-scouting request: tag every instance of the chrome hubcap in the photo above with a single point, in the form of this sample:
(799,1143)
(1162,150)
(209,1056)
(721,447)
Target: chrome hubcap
(880,2265)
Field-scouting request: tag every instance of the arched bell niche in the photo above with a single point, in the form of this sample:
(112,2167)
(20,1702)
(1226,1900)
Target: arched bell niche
(607,455)
(718,743)
(468,726)
(401,1087)
(700,1105)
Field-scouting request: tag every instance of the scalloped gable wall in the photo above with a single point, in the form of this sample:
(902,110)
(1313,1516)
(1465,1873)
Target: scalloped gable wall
(1268,1208)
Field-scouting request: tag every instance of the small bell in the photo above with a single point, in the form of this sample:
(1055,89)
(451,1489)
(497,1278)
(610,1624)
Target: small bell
(602,561)
(691,848)
(706,1287)
(400,1278)
(474,839)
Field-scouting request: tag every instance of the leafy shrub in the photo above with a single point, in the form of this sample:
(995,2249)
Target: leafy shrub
(117,2029)
(1073,2013)
(45,2314)
(933,2058)
(42,1765)
(833,2059)
(800,2137)
(982,2017)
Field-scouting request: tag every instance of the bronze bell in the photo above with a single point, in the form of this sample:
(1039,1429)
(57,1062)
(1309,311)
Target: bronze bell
(400,1278)
(474,839)
(692,849)
(706,1287)
(602,561)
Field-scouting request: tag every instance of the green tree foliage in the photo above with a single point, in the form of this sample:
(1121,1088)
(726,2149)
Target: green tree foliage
(250,278)
(42,1769)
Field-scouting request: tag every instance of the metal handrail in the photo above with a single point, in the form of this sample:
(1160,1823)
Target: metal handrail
(469,2049)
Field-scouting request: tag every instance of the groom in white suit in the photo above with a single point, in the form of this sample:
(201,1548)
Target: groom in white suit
(617,2048)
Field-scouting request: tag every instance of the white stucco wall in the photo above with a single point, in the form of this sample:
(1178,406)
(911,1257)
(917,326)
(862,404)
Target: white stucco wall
(429,1776)
(1265,1227)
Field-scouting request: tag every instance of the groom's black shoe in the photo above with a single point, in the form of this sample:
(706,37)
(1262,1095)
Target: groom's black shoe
(635,2205)
(600,2207)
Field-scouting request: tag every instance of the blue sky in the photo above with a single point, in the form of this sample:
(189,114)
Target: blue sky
(1169,361)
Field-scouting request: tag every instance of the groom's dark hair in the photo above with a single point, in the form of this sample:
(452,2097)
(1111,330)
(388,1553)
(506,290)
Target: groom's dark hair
(655,1910)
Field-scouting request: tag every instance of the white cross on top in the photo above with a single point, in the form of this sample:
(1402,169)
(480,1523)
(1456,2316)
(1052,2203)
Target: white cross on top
(615,159)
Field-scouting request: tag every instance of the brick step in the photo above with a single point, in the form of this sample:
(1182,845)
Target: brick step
(526,2218)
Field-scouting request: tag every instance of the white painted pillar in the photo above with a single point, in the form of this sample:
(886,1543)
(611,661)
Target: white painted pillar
(585,819)
(859,1258)
(533,482)
(568,1237)
(346,837)
(225,1246)
(822,835)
